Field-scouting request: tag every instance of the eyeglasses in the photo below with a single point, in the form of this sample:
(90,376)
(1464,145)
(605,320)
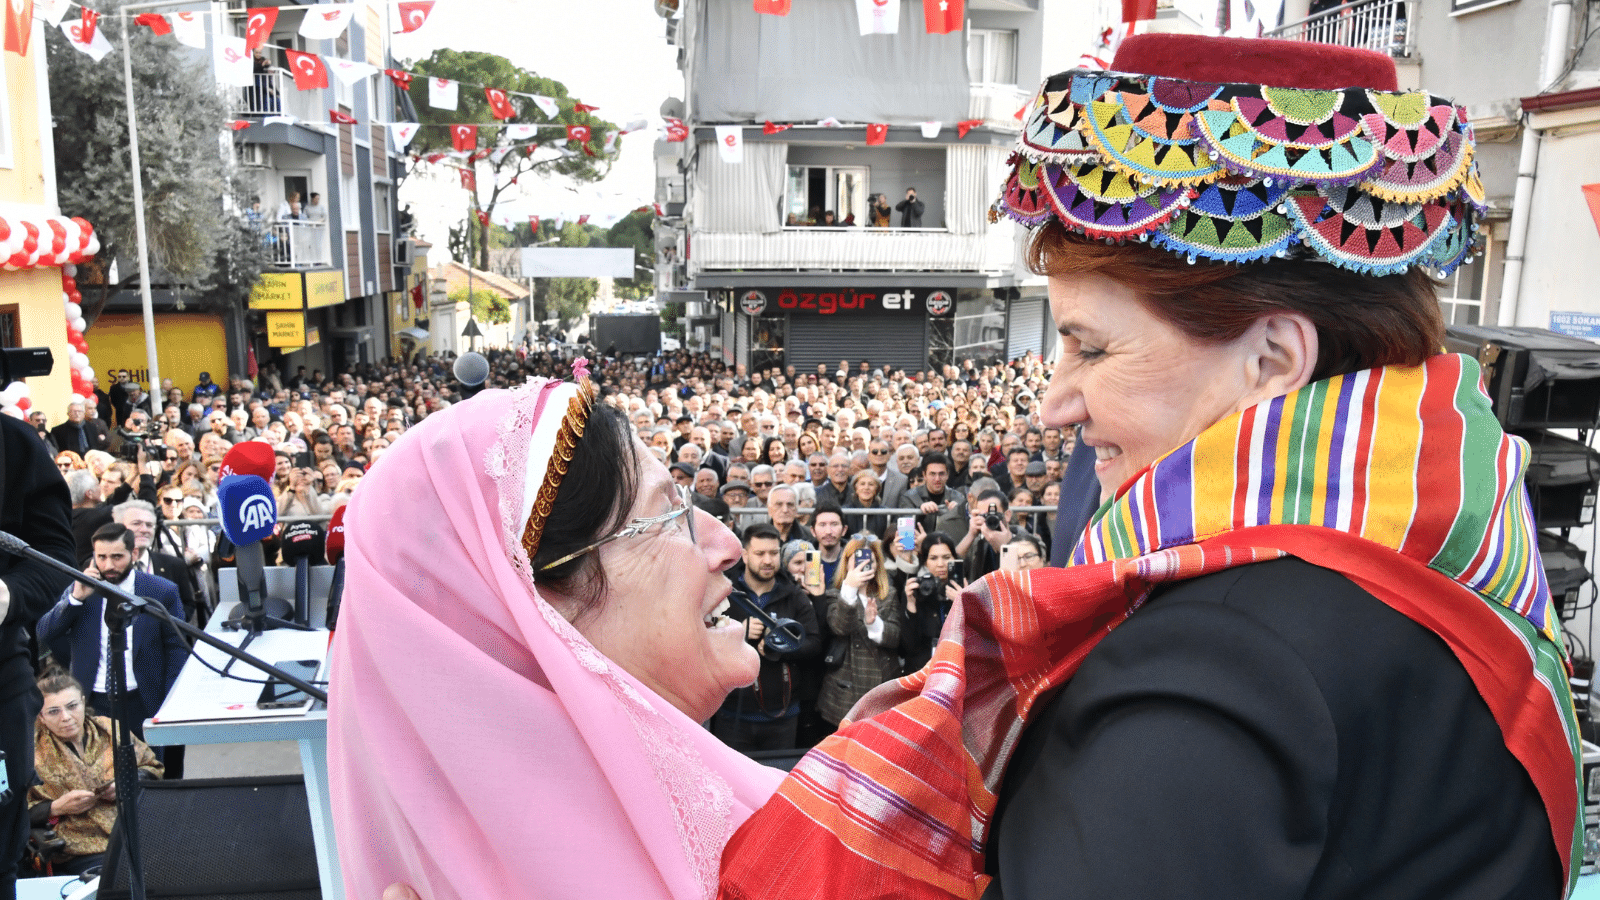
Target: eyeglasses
(879,452)
(639,526)
(70,709)
(167,500)
(761,484)
(1030,556)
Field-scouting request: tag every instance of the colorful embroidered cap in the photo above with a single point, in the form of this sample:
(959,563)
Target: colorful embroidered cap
(1318,156)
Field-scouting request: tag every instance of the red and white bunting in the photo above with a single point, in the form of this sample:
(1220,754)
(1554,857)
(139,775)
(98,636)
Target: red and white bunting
(945,16)
(443,93)
(309,72)
(19,25)
(547,105)
(772,7)
(95,48)
(499,104)
(413,14)
(877,133)
(326,22)
(878,16)
(464,137)
(258,28)
(965,126)
(401,79)
(156,22)
(401,133)
(676,130)
(930,130)
(579,133)
(730,144)
(349,71)
(521,132)
(340,117)
(231,58)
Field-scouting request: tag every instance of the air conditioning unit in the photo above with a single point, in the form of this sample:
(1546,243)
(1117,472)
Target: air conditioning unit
(402,253)
(254,155)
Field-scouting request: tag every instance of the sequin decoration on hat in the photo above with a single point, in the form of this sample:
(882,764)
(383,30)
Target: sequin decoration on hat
(1369,180)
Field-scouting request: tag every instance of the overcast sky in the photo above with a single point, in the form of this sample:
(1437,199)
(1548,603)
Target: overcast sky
(609,53)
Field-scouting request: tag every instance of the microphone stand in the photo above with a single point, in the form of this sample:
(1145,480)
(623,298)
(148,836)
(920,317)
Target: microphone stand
(120,607)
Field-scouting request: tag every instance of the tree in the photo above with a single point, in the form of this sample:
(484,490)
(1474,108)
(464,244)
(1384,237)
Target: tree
(501,162)
(637,230)
(487,306)
(194,202)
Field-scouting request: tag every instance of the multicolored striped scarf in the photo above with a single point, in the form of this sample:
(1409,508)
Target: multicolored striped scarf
(1398,478)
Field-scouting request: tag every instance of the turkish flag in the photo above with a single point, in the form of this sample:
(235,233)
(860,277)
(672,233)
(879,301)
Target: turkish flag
(770,128)
(413,13)
(1138,10)
(416,295)
(676,130)
(583,107)
(944,16)
(239,124)
(469,179)
(583,220)
(578,133)
(464,137)
(90,20)
(877,133)
(965,126)
(401,79)
(156,22)
(483,218)
(309,72)
(479,154)
(19,25)
(533,224)
(499,104)
(1591,196)
(261,19)
(434,157)
(341,118)
(773,7)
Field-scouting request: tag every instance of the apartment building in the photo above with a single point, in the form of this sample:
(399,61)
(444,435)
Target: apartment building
(796,268)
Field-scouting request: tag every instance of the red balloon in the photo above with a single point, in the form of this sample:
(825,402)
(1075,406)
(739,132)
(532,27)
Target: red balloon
(75,297)
(24,403)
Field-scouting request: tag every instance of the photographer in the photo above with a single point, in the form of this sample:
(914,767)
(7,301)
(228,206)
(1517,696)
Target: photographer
(910,210)
(879,211)
(929,595)
(299,497)
(988,529)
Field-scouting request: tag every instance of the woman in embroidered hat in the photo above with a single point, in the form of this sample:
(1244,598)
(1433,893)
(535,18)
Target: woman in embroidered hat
(530,635)
(1305,649)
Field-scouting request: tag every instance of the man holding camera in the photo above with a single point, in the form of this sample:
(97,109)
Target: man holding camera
(910,210)
(987,532)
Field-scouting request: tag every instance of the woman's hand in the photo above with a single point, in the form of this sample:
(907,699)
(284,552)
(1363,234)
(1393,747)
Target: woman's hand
(911,595)
(859,575)
(73,802)
(108,792)
(400,892)
(870,612)
(952,591)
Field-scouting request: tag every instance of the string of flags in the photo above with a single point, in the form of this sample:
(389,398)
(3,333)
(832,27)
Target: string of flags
(883,16)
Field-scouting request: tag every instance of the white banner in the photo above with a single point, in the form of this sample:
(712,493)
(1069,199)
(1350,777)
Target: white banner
(326,22)
(97,48)
(931,129)
(349,71)
(730,143)
(521,132)
(189,28)
(51,11)
(232,62)
(575,262)
(443,93)
(402,133)
(878,16)
(547,104)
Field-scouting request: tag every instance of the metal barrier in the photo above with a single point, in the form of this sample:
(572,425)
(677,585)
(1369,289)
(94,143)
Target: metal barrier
(1381,25)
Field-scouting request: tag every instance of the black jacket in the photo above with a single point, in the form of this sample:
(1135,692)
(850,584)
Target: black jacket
(34,506)
(94,432)
(775,688)
(910,212)
(1269,731)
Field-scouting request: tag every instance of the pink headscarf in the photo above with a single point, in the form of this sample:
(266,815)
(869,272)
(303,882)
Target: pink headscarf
(478,745)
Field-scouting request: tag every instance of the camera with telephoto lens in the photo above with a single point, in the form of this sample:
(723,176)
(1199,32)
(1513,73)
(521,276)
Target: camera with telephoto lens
(928,585)
(991,521)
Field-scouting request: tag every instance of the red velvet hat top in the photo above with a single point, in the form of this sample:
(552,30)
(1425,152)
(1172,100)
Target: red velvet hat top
(1241,150)
(1288,64)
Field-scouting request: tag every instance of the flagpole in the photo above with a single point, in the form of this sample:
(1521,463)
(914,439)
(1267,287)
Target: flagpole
(141,238)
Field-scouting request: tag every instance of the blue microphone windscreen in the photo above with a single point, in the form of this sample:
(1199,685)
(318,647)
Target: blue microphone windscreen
(249,510)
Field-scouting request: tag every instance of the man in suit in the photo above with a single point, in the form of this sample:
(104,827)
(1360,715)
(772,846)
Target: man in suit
(74,630)
(893,481)
(34,507)
(139,517)
(79,433)
(88,513)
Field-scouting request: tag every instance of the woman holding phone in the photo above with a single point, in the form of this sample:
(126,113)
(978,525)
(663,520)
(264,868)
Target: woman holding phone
(929,593)
(862,610)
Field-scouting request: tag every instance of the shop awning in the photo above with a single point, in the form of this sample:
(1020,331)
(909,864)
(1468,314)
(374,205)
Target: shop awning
(414,333)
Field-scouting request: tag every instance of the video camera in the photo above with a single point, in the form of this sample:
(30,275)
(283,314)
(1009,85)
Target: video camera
(17,363)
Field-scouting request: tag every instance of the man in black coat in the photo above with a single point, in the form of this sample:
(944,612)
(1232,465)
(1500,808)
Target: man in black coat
(766,715)
(80,433)
(910,210)
(34,507)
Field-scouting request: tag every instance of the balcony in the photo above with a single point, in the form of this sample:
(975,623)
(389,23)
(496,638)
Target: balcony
(274,94)
(850,249)
(997,105)
(296,245)
(1380,25)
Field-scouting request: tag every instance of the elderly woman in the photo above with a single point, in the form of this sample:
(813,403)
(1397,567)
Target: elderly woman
(72,753)
(864,492)
(552,579)
(1306,648)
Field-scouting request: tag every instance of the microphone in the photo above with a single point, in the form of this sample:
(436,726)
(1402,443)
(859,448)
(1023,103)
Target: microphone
(301,545)
(783,635)
(471,369)
(12,544)
(335,550)
(249,514)
(250,458)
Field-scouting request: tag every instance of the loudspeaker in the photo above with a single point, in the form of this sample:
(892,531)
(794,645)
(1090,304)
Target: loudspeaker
(1564,570)
(220,839)
(1563,476)
(1535,378)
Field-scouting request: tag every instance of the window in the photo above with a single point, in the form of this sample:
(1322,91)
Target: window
(10,330)
(980,328)
(813,191)
(1461,297)
(350,202)
(992,56)
(380,207)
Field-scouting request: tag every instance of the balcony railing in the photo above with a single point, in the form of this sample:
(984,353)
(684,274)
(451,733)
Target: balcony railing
(847,249)
(1381,25)
(274,94)
(296,245)
(997,105)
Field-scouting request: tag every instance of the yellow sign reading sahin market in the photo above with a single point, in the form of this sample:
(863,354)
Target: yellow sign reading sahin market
(286,329)
(278,290)
(324,288)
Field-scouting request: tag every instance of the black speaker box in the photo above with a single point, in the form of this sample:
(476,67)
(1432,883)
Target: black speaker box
(1535,378)
(1562,478)
(220,839)
(1563,569)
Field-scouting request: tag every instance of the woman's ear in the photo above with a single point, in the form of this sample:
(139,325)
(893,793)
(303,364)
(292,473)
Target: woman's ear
(1282,354)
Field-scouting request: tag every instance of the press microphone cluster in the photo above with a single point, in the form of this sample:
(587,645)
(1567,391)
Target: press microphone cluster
(334,547)
(249,516)
(301,546)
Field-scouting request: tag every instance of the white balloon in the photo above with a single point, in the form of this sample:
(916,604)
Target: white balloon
(10,395)
(22,389)
(70,269)
(80,360)
(80,324)
(87,373)
(74,311)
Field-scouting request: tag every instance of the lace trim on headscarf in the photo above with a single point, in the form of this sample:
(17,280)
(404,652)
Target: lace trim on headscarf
(701,800)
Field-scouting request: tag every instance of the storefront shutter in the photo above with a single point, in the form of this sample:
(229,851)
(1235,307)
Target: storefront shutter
(1025,328)
(897,341)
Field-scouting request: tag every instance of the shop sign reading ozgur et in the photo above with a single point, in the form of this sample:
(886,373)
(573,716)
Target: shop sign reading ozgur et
(935,302)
